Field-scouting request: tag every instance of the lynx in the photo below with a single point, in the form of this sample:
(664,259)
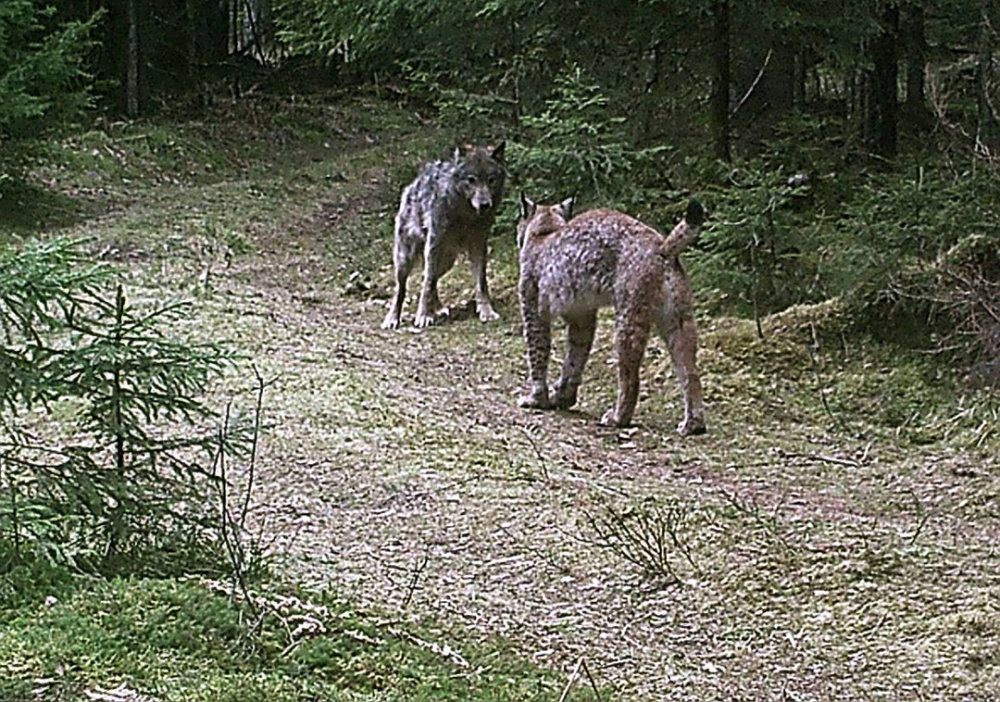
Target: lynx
(447,210)
(572,267)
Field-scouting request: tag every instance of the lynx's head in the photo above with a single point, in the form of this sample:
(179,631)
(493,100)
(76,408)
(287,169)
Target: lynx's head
(539,220)
(479,176)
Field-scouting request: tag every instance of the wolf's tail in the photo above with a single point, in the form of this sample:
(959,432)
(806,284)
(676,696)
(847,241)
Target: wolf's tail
(685,232)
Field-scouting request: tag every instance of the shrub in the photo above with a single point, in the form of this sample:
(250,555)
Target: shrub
(107,453)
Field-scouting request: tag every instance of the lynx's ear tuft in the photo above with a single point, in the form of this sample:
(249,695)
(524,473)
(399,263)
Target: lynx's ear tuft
(566,207)
(527,206)
(695,214)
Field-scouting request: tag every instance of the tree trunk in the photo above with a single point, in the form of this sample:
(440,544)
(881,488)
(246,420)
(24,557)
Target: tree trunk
(882,107)
(193,53)
(234,25)
(915,46)
(987,128)
(214,31)
(720,80)
(132,60)
(799,81)
(783,85)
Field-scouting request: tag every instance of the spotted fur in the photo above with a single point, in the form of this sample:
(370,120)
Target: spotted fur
(447,210)
(572,267)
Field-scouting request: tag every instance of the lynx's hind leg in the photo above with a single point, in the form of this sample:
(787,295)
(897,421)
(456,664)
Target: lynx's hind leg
(681,336)
(631,335)
(579,340)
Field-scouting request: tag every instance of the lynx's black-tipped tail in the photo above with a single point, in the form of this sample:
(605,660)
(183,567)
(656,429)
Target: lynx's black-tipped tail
(685,232)
(695,214)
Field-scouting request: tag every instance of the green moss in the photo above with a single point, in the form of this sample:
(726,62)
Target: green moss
(176,640)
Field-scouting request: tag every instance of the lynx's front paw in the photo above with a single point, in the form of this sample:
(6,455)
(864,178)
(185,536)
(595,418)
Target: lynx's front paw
(534,400)
(611,419)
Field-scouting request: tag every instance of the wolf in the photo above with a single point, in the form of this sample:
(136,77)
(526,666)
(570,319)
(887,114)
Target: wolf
(571,267)
(448,209)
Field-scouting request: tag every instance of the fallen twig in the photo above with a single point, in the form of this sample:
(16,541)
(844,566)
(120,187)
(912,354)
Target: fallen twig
(572,679)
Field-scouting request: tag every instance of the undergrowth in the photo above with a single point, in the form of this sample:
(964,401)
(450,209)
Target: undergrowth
(184,641)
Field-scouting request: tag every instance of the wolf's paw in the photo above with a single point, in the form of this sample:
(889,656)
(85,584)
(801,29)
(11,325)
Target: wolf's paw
(692,426)
(391,321)
(534,401)
(423,319)
(487,313)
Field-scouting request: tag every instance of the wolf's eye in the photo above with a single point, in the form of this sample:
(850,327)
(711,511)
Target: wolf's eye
(470,179)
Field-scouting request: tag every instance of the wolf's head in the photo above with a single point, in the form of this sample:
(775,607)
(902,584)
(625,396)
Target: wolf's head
(480,175)
(539,220)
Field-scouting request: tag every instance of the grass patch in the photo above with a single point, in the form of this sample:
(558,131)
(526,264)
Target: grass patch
(177,640)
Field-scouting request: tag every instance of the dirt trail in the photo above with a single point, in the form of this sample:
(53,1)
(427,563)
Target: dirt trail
(399,472)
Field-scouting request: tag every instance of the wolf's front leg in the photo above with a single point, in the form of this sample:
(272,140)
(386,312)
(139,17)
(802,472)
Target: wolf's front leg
(477,265)
(437,262)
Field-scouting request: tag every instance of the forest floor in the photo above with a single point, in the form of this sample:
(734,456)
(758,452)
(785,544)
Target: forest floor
(833,537)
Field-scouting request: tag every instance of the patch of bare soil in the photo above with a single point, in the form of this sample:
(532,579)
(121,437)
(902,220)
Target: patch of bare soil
(398,471)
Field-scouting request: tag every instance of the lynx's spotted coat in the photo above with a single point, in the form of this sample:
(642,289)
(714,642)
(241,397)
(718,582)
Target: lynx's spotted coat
(572,267)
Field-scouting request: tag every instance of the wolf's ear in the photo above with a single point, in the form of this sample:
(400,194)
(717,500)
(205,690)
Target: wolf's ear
(460,151)
(566,206)
(496,152)
(527,207)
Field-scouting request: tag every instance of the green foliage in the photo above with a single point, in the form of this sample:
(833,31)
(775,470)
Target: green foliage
(753,255)
(181,641)
(131,479)
(908,249)
(917,248)
(44,82)
(575,147)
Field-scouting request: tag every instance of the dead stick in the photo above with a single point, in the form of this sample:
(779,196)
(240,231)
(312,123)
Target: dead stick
(593,685)
(572,679)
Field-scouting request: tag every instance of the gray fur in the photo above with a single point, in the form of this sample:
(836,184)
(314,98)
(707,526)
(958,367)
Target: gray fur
(604,258)
(447,210)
